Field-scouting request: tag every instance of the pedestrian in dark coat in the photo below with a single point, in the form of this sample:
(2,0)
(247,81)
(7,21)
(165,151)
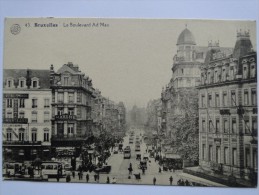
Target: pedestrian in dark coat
(159,170)
(73,174)
(154,180)
(87,177)
(95,177)
(108,179)
(171,180)
(68,179)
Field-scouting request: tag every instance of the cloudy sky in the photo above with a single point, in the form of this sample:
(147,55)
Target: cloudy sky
(129,60)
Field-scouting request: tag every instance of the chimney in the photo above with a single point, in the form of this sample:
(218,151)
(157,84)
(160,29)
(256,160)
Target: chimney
(28,78)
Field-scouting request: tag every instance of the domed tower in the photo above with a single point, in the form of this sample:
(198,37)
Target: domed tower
(186,70)
(185,45)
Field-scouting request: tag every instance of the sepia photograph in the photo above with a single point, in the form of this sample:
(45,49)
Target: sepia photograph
(161,102)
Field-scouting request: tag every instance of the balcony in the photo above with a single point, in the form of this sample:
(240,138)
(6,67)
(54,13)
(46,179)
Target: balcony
(68,137)
(65,117)
(15,120)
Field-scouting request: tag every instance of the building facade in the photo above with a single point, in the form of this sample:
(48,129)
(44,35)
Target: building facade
(26,114)
(72,100)
(228,110)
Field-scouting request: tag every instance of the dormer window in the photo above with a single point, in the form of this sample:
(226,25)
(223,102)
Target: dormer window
(9,83)
(245,72)
(22,82)
(252,70)
(35,82)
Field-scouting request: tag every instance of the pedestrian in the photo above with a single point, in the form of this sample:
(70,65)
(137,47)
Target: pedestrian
(68,179)
(87,178)
(187,183)
(98,177)
(108,180)
(154,180)
(79,177)
(171,180)
(114,180)
(143,170)
(73,174)
(95,177)
(159,170)
(57,177)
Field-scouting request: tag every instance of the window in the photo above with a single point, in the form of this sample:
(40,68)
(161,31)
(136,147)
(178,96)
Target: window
(246,97)
(217,100)
(216,76)
(209,100)
(203,101)
(21,114)
(60,111)
(34,135)
(71,111)
(218,159)
(210,153)
(203,125)
(203,151)
(34,83)
(245,72)
(66,81)
(231,73)
(210,125)
(233,98)
(225,126)
(226,155)
(79,97)
(70,128)
(252,73)
(225,98)
(254,97)
(70,97)
(217,125)
(34,103)
(22,105)
(254,125)
(21,134)
(9,114)
(34,117)
(22,82)
(60,97)
(234,125)
(255,158)
(46,103)
(209,79)
(247,157)
(223,74)
(9,135)
(10,83)
(9,103)
(46,117)
(234,156)
(46,135)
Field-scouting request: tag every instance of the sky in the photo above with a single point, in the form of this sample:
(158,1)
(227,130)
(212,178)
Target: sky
(129,60)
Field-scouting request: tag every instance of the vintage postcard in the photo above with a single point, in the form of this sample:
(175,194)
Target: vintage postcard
(130,101)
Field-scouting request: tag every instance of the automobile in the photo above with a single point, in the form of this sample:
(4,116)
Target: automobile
(103,169)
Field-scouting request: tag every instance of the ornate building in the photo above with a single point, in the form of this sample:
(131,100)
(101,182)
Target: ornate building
(185,76)
(72,101)
(228,110)
(26,114)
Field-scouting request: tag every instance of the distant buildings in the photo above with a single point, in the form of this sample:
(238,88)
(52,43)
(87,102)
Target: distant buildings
(48,113)
(228,110)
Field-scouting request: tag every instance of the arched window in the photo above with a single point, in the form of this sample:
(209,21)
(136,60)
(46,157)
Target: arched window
(9,82)
(35,82)
(22,82)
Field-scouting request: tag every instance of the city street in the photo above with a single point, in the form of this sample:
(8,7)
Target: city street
(120,171)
